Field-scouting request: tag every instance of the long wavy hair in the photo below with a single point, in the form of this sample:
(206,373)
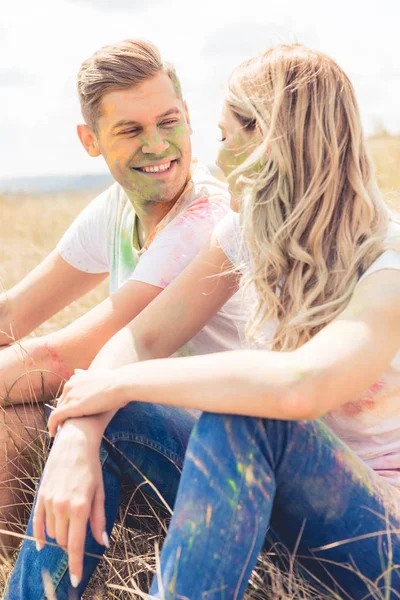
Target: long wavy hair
(312,217)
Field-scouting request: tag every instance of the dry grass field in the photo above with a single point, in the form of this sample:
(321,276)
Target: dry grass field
(29,229)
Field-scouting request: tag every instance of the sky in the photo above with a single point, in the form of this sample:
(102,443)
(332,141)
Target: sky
(43,43)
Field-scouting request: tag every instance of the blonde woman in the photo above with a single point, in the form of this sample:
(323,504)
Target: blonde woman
(299,438)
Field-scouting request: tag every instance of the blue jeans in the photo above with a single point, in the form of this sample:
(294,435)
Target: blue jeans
(242,477)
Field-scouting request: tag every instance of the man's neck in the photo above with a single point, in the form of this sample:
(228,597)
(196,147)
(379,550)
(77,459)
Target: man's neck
(149,214)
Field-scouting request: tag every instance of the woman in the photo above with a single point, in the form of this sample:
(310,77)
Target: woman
(302,441)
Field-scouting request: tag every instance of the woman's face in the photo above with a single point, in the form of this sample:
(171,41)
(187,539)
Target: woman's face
(236,146)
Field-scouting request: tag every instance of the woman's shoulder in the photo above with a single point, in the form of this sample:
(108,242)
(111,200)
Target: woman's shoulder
(389,258)
(227,233)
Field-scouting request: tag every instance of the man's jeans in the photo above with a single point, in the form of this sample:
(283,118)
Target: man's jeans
(242,477)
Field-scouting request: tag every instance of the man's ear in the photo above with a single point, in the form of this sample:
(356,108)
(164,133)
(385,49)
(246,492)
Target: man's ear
(88,139)
(187,116)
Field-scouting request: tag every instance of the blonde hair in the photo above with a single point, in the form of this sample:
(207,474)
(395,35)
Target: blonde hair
(116,67)
(312,217)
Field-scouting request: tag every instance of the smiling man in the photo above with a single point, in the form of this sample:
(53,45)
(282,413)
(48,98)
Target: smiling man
(141,232)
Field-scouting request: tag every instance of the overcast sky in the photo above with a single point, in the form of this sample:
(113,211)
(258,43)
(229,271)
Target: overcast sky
(43,42)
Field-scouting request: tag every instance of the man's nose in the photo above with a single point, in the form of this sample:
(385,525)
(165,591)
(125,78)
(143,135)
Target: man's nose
(154,145)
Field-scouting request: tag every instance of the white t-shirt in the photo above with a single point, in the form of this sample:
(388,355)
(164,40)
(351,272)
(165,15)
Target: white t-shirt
(103,239)
(370,425)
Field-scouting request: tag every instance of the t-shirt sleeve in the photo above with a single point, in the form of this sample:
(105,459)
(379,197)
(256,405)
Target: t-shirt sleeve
(85,244)
(227,234)
(179,242)
(387,260)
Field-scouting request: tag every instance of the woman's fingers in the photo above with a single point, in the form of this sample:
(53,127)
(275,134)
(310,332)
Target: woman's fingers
(74,409)
(68,411)
(60,415)
(53,424)
(76,541)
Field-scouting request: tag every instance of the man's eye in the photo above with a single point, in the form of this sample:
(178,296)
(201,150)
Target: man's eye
(221,139)
(169,122)
(129,132)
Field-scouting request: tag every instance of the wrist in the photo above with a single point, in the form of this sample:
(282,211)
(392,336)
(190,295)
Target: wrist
(125,390)
(88,429)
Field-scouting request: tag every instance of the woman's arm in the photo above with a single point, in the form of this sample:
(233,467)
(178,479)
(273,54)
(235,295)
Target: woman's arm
(336,366)
(178,314)
(170,321)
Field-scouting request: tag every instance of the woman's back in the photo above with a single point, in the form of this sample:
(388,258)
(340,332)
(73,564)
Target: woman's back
(369,425)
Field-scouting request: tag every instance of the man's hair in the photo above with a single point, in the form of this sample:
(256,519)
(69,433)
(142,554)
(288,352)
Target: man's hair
(117,67)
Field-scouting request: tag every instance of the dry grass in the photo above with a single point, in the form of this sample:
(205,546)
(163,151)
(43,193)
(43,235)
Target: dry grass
(29,229)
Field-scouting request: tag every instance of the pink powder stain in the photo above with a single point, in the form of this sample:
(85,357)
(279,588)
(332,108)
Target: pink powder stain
(57,365)
(192,212)
(367,401)
(377,386)
(351,409)
(164,283)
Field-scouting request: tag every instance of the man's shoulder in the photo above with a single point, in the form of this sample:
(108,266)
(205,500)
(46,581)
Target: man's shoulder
(113,192)
(109,201)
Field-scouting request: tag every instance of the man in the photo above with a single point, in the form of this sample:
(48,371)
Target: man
(142,231)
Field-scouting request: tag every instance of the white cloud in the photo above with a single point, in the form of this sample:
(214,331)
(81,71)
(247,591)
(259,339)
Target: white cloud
(15,78)
(116,5)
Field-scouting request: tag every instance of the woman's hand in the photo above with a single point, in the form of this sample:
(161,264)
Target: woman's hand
(87,393)
(71,493)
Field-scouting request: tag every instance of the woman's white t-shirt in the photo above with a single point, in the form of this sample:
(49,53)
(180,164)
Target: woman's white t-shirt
(369,425)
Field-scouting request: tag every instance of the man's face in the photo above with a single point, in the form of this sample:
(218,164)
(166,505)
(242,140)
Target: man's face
(144,137)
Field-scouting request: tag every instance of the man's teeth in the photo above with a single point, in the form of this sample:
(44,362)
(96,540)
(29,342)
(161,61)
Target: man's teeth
(157,168)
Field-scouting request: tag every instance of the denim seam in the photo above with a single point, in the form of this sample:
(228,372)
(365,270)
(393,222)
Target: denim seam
(59,574)
(140,439)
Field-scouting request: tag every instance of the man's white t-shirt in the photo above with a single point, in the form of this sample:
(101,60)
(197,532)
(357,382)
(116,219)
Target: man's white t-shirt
(103,239)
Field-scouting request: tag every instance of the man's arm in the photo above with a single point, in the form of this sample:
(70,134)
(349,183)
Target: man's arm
(51,286)
(163,327)
(39,367)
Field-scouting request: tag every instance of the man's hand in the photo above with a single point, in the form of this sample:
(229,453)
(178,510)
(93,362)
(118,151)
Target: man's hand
(71,493)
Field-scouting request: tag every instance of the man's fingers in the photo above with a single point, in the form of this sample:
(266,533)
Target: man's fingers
(50,523)
(38,524)
(98,517)
(76,542)
(61,523)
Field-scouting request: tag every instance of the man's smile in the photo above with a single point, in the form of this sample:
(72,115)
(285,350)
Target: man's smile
(158,169)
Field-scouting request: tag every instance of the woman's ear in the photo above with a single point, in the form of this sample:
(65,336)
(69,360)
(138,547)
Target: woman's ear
(88,139)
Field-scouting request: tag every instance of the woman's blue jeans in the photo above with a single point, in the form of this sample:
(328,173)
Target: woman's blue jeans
(242,477)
